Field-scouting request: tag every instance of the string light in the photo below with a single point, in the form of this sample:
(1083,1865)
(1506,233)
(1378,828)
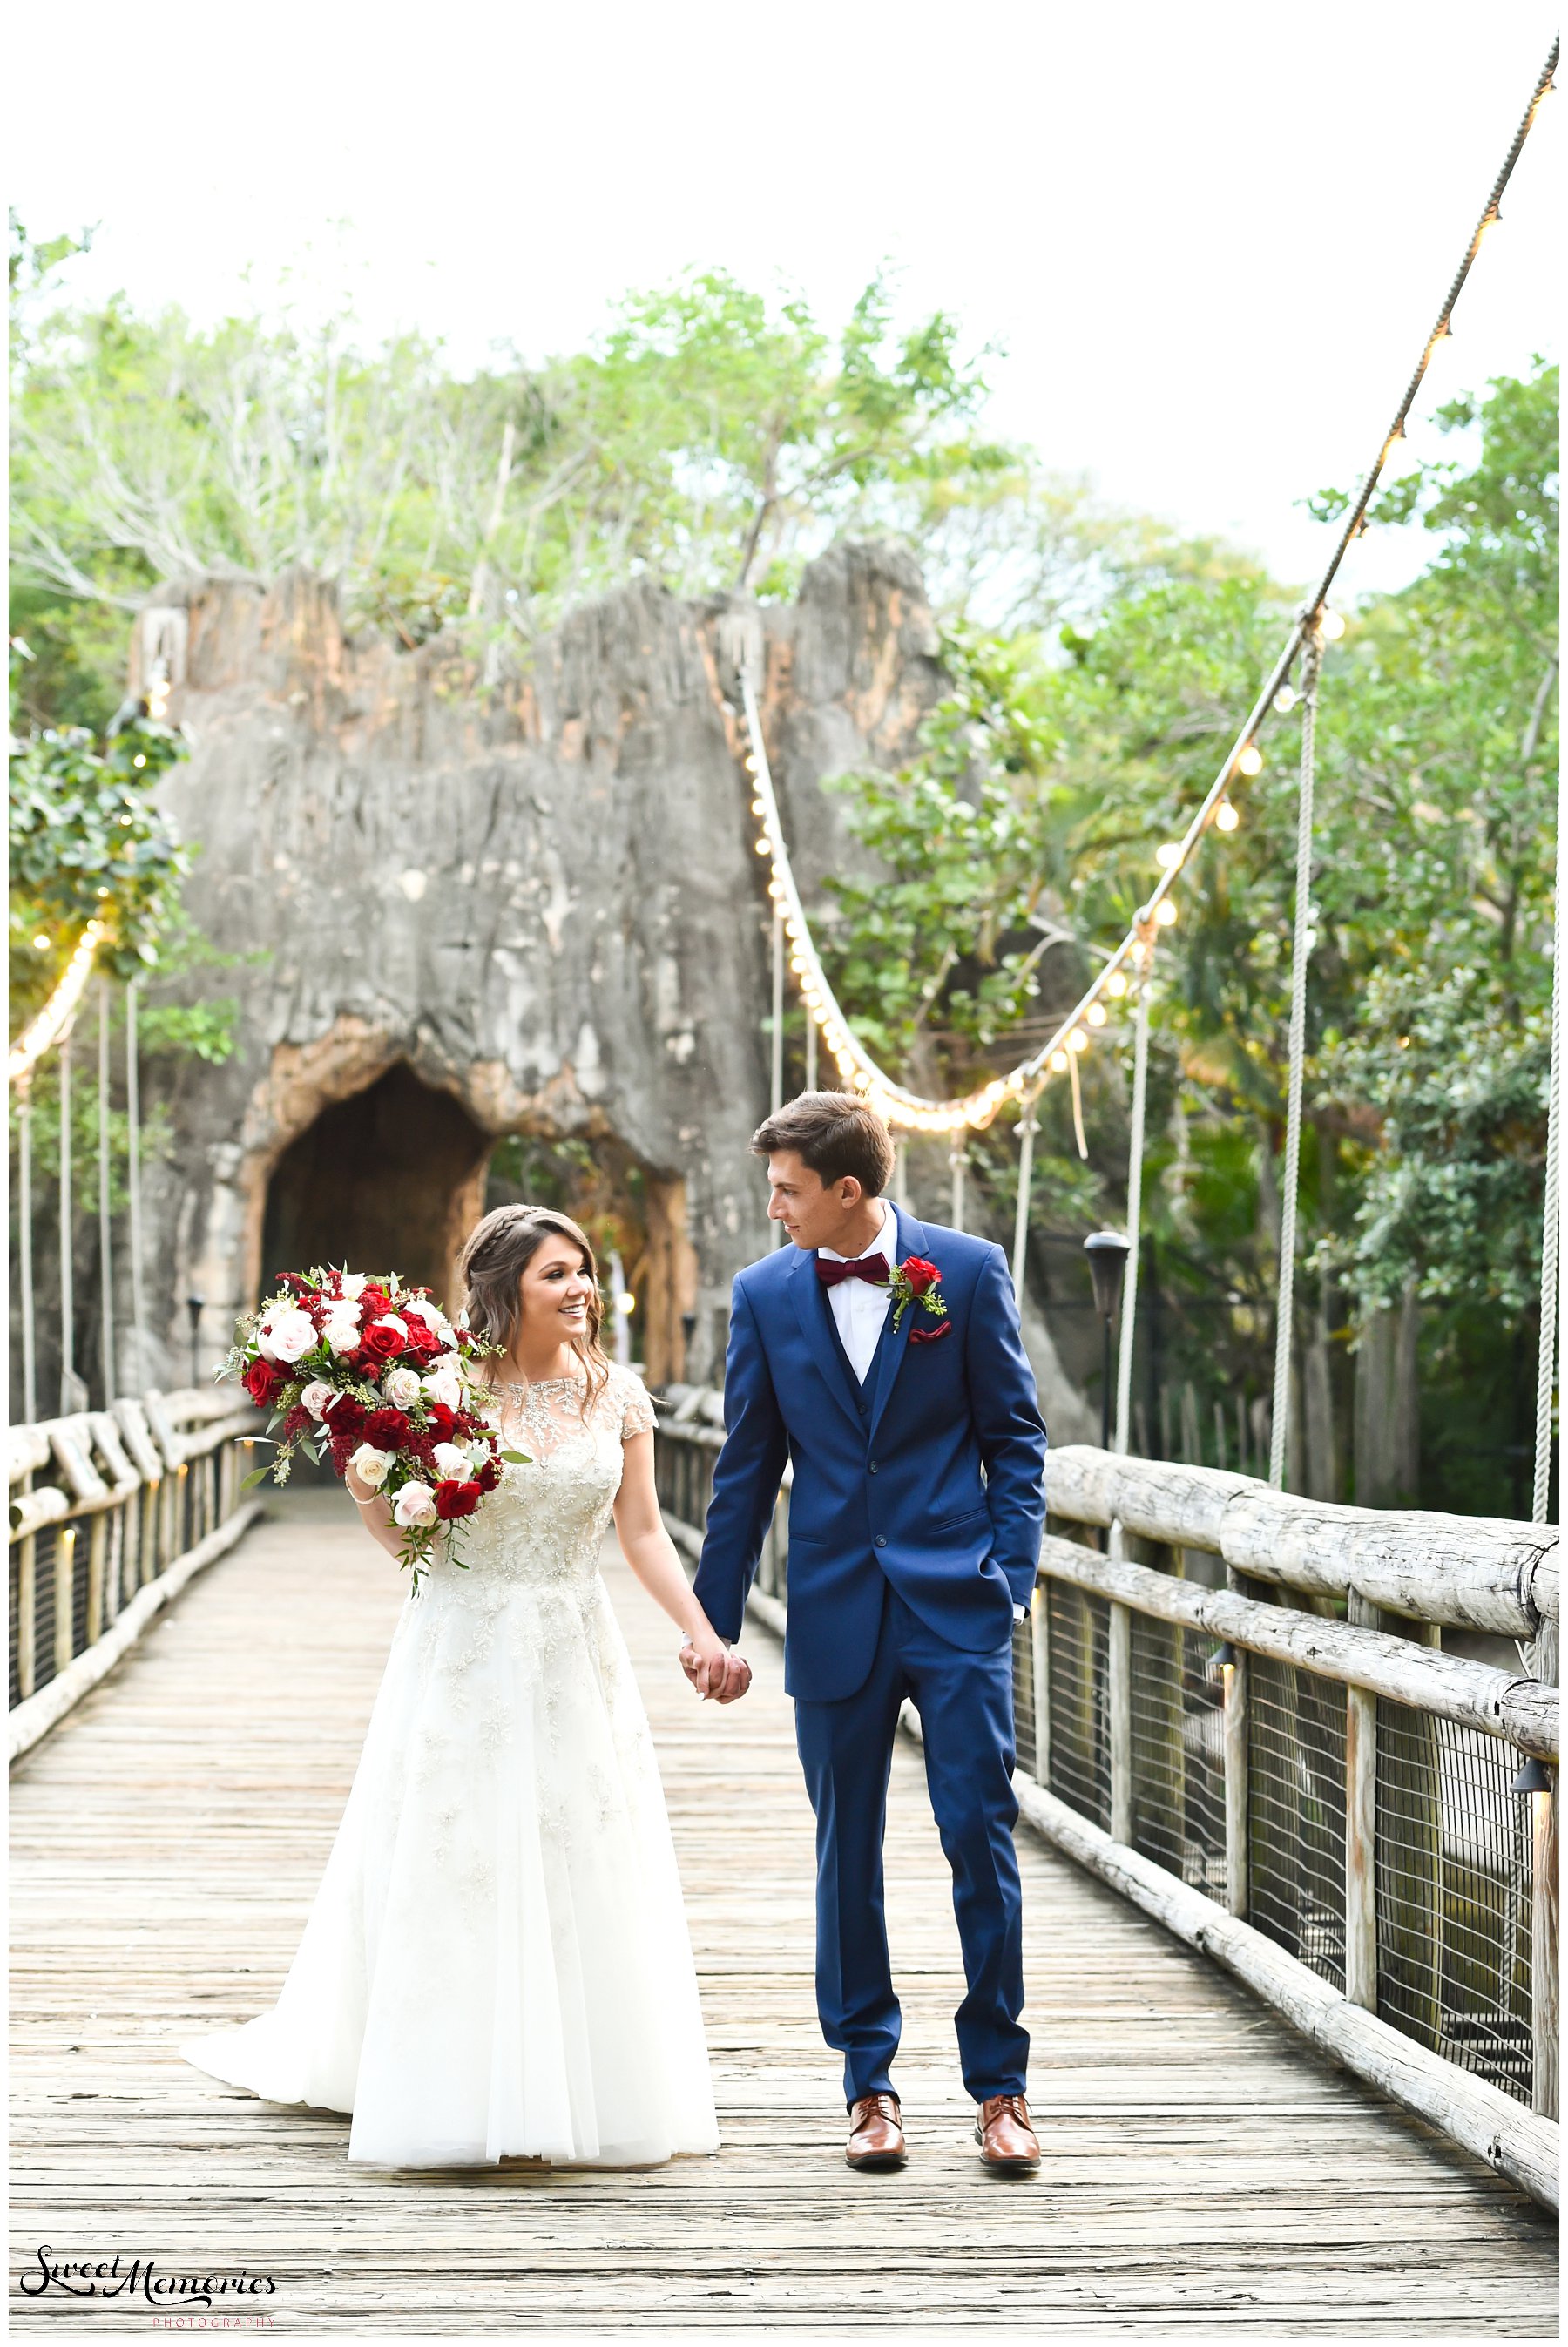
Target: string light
(1077,1041)
(1331,627)
(1166,854)
(56,1016)
(1097,1014)
(1116,984)
(1225,816)
(1285,700)
(1250,761)
(1165,911)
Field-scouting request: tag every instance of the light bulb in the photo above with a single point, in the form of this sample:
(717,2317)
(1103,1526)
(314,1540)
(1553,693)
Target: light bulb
(1077,1041)
(751,761)
(1165,911)
(1225,816)
(1059,1062)
(1116,983)
(763,849)
(1331,627)
(1168,855)
(1250,761)
(757,808)
(40,943)
(1285,699)
(1097,1014)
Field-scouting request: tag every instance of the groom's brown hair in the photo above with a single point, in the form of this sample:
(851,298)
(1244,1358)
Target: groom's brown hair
(835,1133)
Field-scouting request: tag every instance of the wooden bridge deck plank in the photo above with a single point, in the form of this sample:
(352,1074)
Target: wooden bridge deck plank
(1204,2172)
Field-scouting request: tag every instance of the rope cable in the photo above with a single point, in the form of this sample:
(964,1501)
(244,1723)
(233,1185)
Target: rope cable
(1122,1436)
(1552,1223)
(1284,1329)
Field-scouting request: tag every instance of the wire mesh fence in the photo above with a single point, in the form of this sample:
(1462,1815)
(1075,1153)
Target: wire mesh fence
(1295,1813)
(1178,1754)
(1454,1890)
(1078,1645)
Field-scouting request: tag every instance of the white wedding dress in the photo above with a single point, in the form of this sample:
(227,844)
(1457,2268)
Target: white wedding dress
(496,1962)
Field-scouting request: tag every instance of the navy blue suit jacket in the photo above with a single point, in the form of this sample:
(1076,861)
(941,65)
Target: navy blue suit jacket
(931,1474)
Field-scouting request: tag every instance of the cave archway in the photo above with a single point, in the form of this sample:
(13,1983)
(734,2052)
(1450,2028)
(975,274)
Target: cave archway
(390,1179)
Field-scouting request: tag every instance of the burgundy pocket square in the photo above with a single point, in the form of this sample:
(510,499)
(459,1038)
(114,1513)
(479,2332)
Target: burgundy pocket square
(931,1335)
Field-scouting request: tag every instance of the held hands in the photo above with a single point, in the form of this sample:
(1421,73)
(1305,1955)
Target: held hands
(717,1674)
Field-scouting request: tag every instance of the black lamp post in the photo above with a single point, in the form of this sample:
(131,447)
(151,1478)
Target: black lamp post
(193,1305)
(1107,1251)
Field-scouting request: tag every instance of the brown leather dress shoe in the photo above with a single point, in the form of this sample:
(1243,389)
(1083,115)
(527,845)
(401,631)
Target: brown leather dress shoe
(1008,2142)
(875,2138)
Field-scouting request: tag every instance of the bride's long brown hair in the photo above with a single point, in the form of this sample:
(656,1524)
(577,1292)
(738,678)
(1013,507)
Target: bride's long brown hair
(494,1257)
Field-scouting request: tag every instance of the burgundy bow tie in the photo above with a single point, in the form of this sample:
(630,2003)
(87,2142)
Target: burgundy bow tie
(872,1267)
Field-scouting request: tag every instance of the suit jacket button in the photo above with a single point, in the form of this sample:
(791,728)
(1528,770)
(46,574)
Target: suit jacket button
(881,1539)
(871,1467)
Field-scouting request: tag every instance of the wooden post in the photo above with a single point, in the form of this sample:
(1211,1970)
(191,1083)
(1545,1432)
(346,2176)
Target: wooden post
(98,1549)
(1119,1698)
(27,1613)
(64,1593)
(1039,1656)
(1544,2014)
(1543,1974)
(1361,1828)
(1233,1676)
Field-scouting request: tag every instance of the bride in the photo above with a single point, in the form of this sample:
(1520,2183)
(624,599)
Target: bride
(496,1962)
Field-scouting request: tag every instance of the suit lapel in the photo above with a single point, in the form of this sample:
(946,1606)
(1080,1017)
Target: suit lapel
(814,1315)
(896,1343)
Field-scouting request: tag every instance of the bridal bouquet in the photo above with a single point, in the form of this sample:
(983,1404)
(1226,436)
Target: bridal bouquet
(376,1375)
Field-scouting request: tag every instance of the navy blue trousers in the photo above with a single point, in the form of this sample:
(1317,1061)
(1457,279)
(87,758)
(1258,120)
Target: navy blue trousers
(965,1703)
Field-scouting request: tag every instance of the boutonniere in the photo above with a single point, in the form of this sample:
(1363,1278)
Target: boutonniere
(916,1281)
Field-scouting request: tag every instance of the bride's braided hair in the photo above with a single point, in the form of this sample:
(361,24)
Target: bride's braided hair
(495,1254)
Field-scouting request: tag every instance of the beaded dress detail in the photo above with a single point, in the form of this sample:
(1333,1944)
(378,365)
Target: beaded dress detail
(496,1962)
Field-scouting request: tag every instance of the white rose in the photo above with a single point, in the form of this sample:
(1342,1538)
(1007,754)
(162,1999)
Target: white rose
(431,1314)
(342,1328)
(442,1386)
(403,1386)
(371,1465)
(287,1334)
(415,1505)
(451,1460)
(352,1285)
(318,1398)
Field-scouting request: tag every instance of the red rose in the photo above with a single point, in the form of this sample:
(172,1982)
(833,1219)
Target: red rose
(261,1381)
(919,1274)
(455,1499)
(373,1301)
(489,1475)
(388,1429)
(380,1343)
(422,1337)
(445,1424)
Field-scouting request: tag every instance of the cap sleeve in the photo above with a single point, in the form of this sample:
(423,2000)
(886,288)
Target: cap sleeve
(636,1409)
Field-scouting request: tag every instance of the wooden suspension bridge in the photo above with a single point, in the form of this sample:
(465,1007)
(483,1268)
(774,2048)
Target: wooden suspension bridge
(1204,2169)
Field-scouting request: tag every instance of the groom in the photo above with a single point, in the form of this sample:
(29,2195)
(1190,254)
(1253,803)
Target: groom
(882,1357)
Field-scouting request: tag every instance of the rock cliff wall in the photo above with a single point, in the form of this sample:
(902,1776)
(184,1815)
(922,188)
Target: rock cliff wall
(533,910)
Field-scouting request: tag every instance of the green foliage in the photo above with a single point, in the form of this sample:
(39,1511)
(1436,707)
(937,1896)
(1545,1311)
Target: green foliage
(1048,776)
(87,840)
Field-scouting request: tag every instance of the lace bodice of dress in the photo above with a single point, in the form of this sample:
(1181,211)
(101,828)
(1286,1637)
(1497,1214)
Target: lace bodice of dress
(545,1521)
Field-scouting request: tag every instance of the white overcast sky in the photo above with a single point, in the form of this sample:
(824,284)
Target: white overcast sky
(1208,239)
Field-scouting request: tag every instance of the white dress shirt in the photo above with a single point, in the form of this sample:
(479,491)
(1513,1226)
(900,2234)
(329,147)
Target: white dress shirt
(858,1307)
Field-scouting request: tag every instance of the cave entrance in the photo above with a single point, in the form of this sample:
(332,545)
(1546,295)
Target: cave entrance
(391,1179)
(627,1210)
